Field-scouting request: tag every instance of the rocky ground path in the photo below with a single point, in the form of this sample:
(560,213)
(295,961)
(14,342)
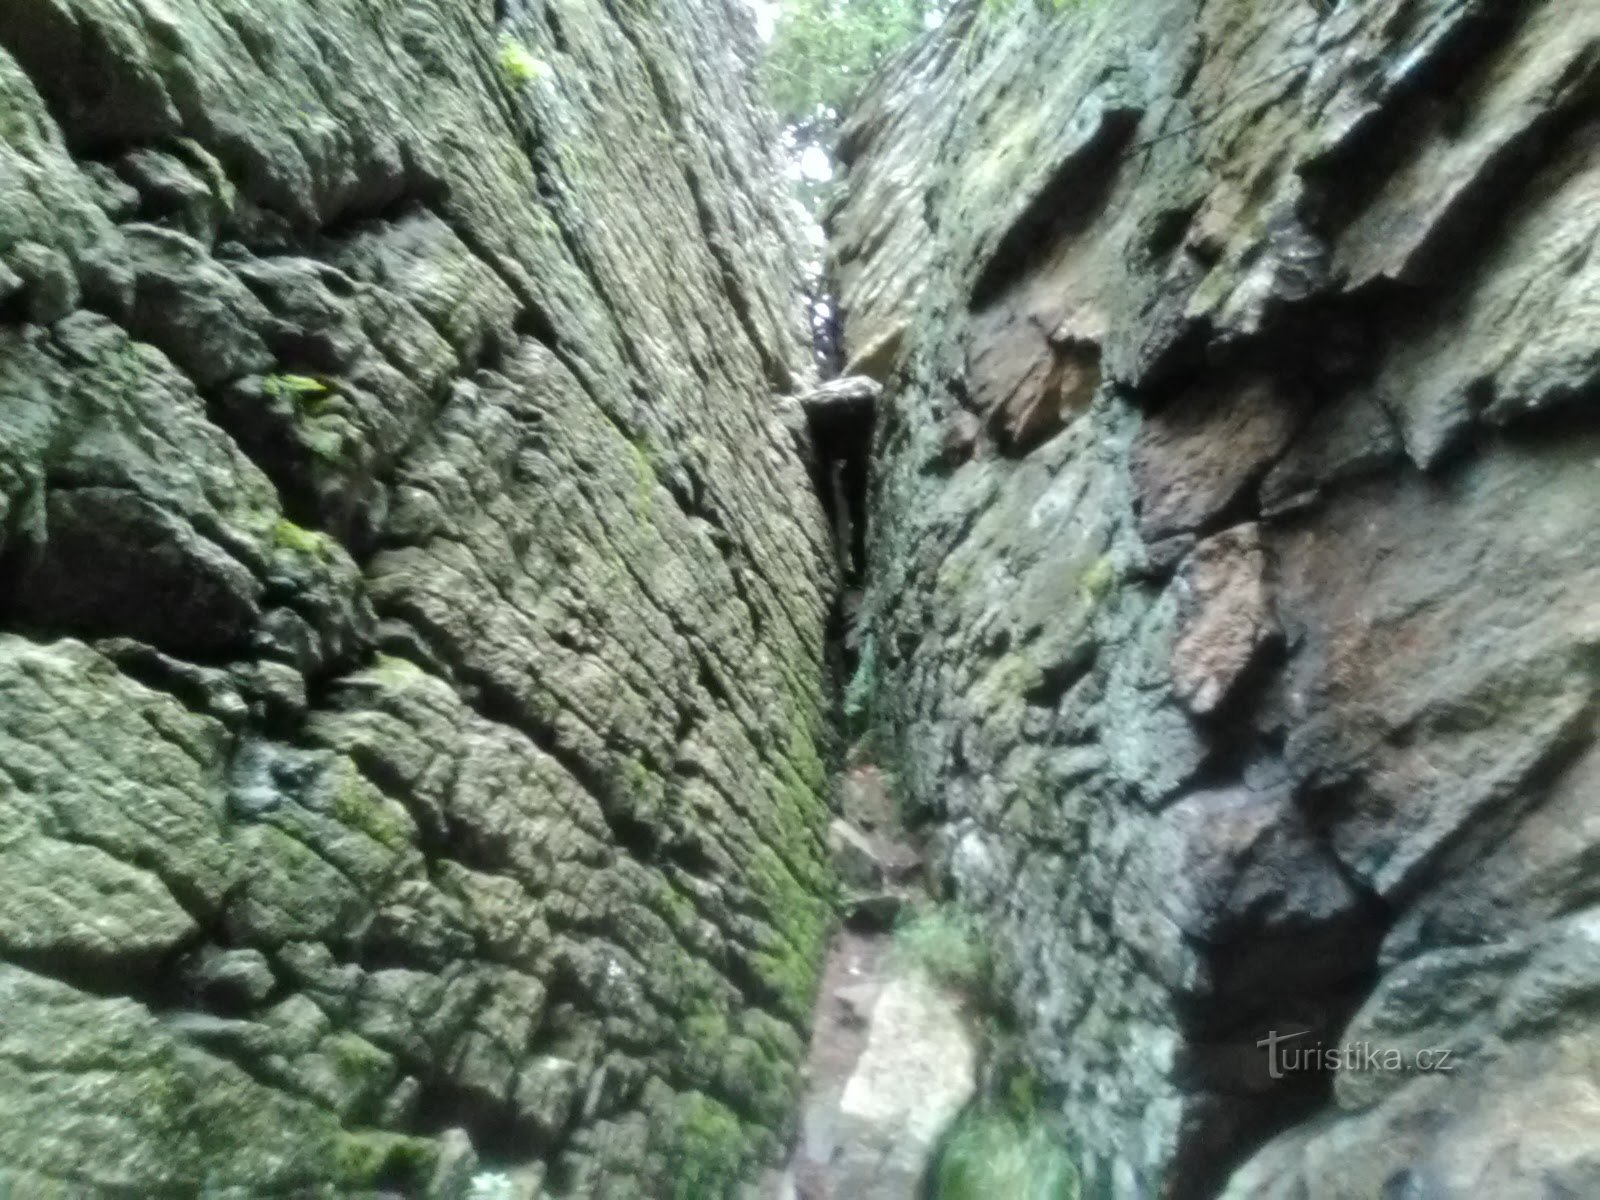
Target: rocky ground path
(894,1056)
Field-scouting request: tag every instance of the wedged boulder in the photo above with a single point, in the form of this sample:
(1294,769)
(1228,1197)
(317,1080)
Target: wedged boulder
(849,397)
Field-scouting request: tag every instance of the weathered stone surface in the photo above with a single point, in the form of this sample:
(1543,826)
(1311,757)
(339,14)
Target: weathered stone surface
(411,693)
(1254,689)
(1224,621)
(917,1072)
(1192,461)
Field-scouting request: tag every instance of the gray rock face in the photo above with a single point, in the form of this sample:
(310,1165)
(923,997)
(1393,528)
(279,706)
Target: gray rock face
(411,603)
(1245,653)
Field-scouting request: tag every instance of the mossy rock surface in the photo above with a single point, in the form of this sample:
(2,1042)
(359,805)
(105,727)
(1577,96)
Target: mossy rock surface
(411,664)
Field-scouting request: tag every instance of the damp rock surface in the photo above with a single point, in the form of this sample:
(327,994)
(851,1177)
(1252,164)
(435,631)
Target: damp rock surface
(1233,575)
(420,547)
(411,604)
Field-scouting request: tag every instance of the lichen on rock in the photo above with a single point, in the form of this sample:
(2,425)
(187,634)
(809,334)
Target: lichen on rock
(412,702)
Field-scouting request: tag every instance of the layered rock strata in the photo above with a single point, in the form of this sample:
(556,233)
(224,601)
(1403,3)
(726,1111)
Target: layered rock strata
(410,606)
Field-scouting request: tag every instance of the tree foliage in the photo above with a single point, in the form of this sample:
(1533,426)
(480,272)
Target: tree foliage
(823,51)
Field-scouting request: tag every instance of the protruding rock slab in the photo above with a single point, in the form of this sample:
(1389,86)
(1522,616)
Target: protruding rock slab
(1224,619)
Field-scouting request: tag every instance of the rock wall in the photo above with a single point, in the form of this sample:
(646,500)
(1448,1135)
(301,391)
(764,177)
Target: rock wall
(410,609)
(1235,602)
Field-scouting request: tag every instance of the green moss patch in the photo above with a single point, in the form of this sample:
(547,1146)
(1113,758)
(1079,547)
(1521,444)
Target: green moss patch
(706,1151)
(518,66)
(989,1155)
